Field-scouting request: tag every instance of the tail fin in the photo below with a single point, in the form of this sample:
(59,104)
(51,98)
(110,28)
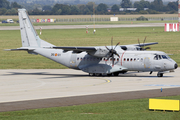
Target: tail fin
(29,36)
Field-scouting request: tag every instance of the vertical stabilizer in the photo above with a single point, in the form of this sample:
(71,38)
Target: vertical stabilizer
(29,36)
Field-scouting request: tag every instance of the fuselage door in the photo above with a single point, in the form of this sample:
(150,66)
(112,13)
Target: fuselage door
(158,64)
(147,63)
(73,60)
(165,65)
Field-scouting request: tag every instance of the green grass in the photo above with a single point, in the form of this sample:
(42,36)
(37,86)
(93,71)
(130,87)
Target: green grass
(168,42)
(137,109)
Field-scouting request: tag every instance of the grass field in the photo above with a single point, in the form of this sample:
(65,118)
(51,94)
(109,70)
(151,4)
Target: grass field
(88,16)
(137,109)
(168,42)
(91,23)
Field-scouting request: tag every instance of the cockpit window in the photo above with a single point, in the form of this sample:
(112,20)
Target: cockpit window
(164,57)
(156,57)
(159,57)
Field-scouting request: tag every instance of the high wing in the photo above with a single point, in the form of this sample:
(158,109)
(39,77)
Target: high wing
(145,44)
(77,49)
(137,47)
(94,51)
(100,48)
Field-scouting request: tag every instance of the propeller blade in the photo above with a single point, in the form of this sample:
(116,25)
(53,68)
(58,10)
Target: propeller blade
(113,60)
(112,42)
(116,45)
(138,42)
(118,55)
(107,48)
(144,42)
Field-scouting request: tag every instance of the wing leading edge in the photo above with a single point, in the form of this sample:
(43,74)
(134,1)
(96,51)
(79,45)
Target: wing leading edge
(77,49)
(145,44)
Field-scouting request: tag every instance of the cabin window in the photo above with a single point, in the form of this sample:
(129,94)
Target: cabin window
(137,59)
(77,58)
(104,59)
(111,59)
(131,59)
(124,59)
(117,59)
(134,59)
(141,59)
(128,59)
(81,58)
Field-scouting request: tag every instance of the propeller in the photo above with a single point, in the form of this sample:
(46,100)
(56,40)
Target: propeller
(112,51)
(142,48)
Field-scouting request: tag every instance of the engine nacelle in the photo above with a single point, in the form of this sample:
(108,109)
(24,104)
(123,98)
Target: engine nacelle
(99,53)
(131,48)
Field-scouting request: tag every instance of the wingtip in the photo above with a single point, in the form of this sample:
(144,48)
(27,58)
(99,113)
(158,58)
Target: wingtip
(7,49)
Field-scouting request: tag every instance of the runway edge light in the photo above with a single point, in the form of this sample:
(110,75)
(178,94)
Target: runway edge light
(164,104)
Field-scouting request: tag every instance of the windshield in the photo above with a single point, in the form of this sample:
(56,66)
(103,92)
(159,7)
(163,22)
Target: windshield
(164,57)
(159,57)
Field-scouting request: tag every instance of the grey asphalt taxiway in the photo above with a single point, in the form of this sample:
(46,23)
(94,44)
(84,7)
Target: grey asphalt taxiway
(84,26)
(41,88)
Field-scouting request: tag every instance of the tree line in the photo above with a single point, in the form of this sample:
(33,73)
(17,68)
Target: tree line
(155,7)
(7,8)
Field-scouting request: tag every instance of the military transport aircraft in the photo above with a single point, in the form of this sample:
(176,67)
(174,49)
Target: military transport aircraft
(102,60)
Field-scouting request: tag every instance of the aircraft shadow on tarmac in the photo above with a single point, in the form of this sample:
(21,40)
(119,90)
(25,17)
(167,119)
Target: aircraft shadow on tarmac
(129,74)
(48,74)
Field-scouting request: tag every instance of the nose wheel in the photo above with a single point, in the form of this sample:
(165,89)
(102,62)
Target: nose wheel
(160,74)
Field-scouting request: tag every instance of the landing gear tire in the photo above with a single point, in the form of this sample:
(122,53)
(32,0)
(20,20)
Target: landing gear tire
(98,74)
(91,74)
(116,73)
(160,74)
(109,74)
(123,72)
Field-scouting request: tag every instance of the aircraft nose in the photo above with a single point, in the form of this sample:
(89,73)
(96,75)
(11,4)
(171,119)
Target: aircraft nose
(176,66)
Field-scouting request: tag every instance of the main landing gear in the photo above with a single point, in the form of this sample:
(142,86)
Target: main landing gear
(160,74)
(99,74)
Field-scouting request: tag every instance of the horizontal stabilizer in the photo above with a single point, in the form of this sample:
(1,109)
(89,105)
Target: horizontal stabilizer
(20,49)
